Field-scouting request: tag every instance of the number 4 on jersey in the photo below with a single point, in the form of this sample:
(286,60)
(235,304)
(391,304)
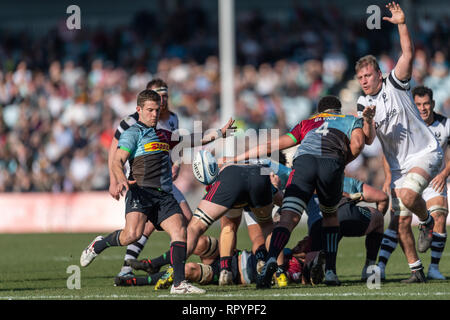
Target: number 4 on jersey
(323,129)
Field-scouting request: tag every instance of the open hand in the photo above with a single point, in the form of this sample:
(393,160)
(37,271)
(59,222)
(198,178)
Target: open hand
(398,16)
(228,128)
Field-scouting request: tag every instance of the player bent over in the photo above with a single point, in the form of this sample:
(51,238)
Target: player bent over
(329,140)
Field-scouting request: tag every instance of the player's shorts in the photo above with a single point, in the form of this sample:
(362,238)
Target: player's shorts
(240,186)
(430,163)
(177,194)
(430,193)
(353,220)
(156,205)
(325,175)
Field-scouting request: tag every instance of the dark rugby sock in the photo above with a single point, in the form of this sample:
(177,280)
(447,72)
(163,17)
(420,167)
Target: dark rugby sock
(162,260)
(111,240)
(178,260)
(225,263)
(280,237)
(373,243)
(261,253)
(330,240)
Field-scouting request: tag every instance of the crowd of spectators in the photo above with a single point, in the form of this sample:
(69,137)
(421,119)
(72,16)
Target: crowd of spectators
(62,94)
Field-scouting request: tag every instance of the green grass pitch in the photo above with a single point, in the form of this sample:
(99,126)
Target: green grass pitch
(34,267)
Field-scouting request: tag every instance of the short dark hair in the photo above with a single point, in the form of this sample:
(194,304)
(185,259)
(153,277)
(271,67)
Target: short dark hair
(160,83)
(422,91)
(148,95)
(329,102)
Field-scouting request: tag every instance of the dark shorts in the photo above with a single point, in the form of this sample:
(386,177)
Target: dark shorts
(241,185)
(353,220)
(156,205)
(323,175)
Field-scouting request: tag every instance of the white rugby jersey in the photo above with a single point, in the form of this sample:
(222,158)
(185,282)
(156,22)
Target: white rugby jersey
(402,133)
(441,130)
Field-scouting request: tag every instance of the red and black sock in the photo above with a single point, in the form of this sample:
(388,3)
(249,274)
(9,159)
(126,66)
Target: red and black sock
(178,260)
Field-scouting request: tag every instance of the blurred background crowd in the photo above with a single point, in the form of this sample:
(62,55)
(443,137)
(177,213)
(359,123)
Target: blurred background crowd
(63,92)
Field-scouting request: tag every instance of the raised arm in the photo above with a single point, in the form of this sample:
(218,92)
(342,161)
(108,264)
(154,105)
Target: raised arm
(214,135)
(403,69)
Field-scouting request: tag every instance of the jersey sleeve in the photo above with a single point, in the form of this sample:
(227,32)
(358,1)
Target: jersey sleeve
(128,141)
(396,83)
(358,123)
(352,185)
(296,133)
(125,123)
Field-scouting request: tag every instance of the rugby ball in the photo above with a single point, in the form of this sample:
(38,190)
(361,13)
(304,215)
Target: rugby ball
(205,167)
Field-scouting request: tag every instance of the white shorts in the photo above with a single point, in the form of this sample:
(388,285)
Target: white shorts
(430,193)
(430,162)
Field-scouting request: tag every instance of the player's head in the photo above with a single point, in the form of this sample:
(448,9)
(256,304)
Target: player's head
(148,107)
(423,98)
(369,75)
(329,103)
(162,89)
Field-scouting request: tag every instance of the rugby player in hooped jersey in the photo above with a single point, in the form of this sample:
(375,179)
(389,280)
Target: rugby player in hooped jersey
(410,148)
(435,194)
(328,141)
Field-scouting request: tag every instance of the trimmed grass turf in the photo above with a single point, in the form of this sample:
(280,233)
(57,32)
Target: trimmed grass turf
(34,267)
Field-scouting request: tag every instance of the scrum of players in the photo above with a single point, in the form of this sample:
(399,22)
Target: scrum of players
(272,197)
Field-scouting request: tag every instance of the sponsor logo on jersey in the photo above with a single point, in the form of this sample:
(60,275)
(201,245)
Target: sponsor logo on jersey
(386,120)
(156,146)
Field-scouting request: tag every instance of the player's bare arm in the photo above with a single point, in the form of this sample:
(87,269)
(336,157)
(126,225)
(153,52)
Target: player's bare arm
(356,144)
(223,132)
(281,143)
(120,157)
(112,178)
(387,176)
(403,69)
(368,126)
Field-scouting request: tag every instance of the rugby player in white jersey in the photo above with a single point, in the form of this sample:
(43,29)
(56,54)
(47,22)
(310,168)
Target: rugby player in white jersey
(168,121)
(410,148)
(435,194)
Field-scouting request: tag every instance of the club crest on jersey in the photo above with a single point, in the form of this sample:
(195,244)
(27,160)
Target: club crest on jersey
(386,120)
(438,136)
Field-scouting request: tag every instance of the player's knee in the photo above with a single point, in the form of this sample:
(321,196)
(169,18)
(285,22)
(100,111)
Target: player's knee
(399,208)
(201,220)
(129,236)
(439,214)
(413,187)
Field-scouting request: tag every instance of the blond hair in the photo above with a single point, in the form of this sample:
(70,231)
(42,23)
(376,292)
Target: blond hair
(366,61)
